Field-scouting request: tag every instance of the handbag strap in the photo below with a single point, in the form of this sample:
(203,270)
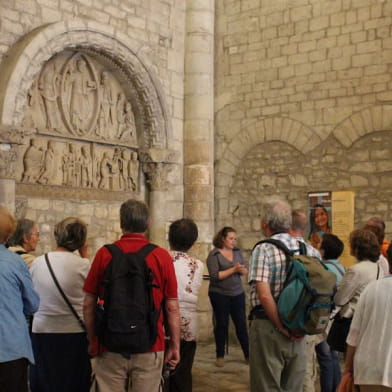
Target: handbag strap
(80,321)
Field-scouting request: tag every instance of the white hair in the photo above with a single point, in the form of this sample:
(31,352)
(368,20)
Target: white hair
(277,214)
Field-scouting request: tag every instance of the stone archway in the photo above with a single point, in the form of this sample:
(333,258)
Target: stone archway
(87,41)
(372,119)
(26,59)
(292,132)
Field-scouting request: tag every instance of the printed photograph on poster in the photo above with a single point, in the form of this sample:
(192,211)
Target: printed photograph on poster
(320,216)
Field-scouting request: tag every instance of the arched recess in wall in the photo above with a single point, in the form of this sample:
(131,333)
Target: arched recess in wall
(364,122)
(27,58)
(285,130)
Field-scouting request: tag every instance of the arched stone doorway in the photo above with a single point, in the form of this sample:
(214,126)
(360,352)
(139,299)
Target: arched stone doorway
(82,118)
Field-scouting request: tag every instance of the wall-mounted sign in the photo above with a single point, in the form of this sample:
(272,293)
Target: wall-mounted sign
(332,212)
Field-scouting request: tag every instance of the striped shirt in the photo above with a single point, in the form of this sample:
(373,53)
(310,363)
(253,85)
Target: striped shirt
(268,264)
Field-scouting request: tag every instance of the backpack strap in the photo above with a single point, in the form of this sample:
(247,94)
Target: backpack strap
(337,266)
(302,248)
(116,252)
(281,246)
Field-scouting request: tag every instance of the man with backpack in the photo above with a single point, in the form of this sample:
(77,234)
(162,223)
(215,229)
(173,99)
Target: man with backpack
(297,231)
(135,286)
(277,356)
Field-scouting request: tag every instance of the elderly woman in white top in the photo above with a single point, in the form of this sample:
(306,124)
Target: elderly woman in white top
(59,341)
(369,344)
(189,272)
(365,248)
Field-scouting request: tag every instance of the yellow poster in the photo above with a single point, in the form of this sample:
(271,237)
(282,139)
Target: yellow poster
(343,222)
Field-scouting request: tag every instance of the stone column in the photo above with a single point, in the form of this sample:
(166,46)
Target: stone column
(156,165)
(199,120)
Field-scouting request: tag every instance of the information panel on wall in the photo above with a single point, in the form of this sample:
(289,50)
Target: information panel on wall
(332,212)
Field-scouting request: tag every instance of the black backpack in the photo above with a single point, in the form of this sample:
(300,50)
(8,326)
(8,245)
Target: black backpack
(126,321)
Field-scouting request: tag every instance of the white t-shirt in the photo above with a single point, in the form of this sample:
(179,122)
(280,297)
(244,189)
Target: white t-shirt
(54,315)
(370,333)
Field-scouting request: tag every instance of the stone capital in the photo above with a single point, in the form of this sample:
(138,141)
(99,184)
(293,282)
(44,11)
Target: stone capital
(156,165)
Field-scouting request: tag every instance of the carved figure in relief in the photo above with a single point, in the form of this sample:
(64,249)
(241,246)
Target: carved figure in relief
(80,96)
(129,121)
(69,166)
(130,169)
(116,170)
(86,167)
(77,180)
(105,172)
(106,116)
(123,163)
(48,165)
(32,162)
(120,111)
(49,87)
(29,120)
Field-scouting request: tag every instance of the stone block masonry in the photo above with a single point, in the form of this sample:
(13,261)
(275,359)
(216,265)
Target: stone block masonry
(325,66)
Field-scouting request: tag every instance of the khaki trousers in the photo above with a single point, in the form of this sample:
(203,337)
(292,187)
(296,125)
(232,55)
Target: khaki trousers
(140,373)
(276,363)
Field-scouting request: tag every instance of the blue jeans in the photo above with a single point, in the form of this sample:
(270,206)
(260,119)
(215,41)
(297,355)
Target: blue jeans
(329,367)
(225,306)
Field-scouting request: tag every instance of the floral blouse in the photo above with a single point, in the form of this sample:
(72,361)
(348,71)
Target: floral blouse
(189,273)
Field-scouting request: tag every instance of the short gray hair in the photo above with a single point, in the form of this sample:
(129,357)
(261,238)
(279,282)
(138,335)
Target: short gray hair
(70,233)
(134,216)
(23,229)
(277,214)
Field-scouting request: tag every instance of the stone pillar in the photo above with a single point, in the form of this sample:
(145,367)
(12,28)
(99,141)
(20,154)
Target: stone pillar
(199,137)
(199,121)
(156,165)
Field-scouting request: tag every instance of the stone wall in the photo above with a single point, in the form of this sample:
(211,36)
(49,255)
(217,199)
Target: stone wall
(302,104)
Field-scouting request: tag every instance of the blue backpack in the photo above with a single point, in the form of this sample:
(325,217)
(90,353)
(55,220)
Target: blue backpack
(306,300)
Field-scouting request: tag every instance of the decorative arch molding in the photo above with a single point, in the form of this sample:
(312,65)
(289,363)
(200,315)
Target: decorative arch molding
(27,57)
(364,122)
(280,129)
(285,130)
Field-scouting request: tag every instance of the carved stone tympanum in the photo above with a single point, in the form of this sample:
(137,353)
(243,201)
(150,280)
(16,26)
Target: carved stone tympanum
(76,96)
(84,128)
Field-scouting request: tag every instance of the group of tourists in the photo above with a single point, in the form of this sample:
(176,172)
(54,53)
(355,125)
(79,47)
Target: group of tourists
(283,360)
(70,325)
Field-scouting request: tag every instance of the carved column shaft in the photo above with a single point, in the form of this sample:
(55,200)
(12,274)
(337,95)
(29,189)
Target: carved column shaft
(199,120)
(156,165)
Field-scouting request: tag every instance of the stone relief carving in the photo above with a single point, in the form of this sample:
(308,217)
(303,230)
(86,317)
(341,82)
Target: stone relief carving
(32,162)
(80,165)
(10,139)
(8,157)
(75,96)
(79,95)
